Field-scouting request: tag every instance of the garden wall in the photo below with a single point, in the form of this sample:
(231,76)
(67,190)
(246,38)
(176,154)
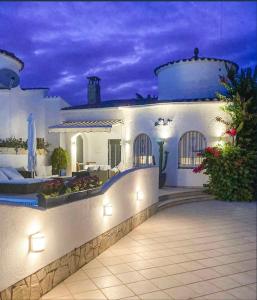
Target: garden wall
(75,233)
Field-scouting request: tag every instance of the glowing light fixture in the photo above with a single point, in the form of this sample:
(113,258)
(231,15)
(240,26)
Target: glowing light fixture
(37,242)
(162,122)
(140,196)
(107,209)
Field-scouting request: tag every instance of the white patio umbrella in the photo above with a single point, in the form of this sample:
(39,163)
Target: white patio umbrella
(32,144)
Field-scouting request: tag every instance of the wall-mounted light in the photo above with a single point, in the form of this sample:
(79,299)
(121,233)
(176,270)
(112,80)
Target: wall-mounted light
(37,242)
(162,122)
(140,196)
(107,209)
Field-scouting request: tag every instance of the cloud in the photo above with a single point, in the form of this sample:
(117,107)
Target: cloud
(122,42)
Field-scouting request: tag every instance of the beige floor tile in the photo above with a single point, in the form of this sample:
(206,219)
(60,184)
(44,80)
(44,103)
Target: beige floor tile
(142,287)
(93,264)
(196,255)
(130,277)
(158,295)
(60,291)
(204,288)
(207,273)
(130,258)
(245,277)
(179,258)
(181,293)
(132,298)
(79,275)
(121,268)
(225,283)
(243,293)
(90,295)
(152,273)
(243,266)
(253,286)
(191,266)
(81,286)
(209,262)
(110,261)
(140,264)
(173,269)
(97,272)
(166,282)
(225,270)
(187,278)
(106,281)
(218,296)
(117,292)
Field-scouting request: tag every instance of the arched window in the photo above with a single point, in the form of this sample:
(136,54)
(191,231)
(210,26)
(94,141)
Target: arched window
(191,143)
(142,150)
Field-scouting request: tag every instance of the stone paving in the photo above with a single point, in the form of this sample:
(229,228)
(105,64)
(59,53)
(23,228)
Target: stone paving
(203,250)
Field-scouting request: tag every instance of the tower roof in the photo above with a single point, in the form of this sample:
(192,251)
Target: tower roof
(194,58)
(13,56)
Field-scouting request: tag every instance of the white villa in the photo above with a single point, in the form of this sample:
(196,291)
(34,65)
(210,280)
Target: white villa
(123,133)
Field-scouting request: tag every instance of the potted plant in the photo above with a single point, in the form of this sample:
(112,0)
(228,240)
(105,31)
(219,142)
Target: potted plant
(59,160)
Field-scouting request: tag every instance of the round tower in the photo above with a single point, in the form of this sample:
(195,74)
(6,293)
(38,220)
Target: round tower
(10,66)
(192,78)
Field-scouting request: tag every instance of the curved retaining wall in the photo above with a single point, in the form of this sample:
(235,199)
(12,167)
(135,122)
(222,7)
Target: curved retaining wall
(75,233)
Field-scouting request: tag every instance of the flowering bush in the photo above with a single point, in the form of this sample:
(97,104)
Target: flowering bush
(232,169)
(53,187)
(231,172)
(83,183)
(58,186)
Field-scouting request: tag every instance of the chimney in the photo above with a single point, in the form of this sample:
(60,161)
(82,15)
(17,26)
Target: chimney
(93,90)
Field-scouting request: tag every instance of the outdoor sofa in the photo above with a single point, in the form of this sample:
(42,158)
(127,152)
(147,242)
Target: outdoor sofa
(11,181)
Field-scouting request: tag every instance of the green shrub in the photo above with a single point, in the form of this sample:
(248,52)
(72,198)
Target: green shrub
(59,160)
(231,172)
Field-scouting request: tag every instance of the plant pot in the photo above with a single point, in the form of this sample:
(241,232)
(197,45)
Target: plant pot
(162,180)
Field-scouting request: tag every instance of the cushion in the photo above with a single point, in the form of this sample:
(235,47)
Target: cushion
(3,176)
(11,173)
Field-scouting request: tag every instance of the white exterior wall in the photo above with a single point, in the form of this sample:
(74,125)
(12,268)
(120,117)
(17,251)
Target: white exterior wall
(186,117)
(68,226)
(16,105)
(190,79)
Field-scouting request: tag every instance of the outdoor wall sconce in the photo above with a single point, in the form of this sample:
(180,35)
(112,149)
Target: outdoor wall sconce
(162,122)
(108,209)
(37,242)
(140,196)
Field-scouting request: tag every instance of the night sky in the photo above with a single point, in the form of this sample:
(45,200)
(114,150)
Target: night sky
(121,42)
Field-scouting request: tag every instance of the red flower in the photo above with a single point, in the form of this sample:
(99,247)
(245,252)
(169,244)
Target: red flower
(198,169)
(232,132)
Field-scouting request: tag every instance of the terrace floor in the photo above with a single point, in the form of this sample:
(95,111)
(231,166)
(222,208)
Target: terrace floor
(203,250)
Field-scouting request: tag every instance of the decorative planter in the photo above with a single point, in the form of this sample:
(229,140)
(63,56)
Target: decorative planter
(66,198)
(162,180)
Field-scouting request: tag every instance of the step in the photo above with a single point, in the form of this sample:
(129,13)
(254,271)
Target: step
(181,194)
(179,201)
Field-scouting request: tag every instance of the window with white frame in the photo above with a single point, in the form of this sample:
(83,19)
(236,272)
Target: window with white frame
(190,144)
(142,150)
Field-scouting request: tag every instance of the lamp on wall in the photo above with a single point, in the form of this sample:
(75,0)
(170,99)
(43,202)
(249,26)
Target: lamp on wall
(162,122)
(140,196)
(107,209)
(37,242)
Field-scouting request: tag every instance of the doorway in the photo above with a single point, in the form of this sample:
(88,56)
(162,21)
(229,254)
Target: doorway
(114,152)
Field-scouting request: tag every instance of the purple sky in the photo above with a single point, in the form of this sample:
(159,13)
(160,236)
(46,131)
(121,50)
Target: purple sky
(122,42)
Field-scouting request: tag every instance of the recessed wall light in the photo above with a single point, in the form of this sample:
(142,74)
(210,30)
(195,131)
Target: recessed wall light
(37,242)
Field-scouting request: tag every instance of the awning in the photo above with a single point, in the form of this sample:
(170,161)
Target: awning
(85,126)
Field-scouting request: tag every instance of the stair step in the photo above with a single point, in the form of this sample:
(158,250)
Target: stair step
(181,195)
(169,203)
